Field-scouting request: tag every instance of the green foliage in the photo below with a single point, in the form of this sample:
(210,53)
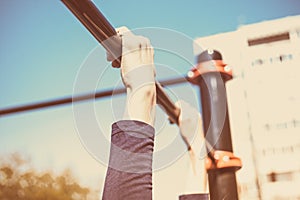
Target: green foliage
(19,181)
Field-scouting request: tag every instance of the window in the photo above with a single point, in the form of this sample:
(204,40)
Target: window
(274,177)
(257,62)
(269,39)
(285,57)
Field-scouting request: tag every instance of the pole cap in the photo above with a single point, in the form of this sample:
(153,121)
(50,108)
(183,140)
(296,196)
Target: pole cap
(209,54)
(209,61)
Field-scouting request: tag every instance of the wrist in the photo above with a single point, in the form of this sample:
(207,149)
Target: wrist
(140,77)
(141,103)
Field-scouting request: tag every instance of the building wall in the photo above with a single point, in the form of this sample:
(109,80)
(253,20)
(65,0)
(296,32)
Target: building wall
(264,105)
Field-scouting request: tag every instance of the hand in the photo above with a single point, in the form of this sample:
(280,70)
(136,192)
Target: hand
(190,125)
(138,75)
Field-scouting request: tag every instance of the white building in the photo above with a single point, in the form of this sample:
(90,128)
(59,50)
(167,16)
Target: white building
(264,105)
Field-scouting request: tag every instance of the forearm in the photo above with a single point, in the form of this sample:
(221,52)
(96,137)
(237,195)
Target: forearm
(190,124)
(141,104)
(129,176)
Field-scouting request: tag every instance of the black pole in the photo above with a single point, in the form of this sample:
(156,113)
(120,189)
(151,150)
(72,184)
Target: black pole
(222,183)
(211,80)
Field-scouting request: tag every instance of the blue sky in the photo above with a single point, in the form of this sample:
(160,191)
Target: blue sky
(41,41)
(43,47)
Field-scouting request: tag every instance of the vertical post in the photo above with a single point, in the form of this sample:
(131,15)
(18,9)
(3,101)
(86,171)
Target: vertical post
(210,75)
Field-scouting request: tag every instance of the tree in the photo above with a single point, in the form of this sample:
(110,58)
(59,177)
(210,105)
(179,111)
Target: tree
(19,184)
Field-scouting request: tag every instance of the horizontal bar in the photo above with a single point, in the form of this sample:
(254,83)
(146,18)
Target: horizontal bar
(76,98)
(88,14)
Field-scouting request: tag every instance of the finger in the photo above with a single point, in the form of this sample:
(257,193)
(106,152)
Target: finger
(152,55)
(109,56)
(123,30)
(143,49)
(178,103)
(116,64)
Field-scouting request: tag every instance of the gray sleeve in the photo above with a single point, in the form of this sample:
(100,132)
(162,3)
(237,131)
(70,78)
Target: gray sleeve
(129,174)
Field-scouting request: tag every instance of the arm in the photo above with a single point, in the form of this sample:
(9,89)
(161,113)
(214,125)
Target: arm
(129,174)
(190,125)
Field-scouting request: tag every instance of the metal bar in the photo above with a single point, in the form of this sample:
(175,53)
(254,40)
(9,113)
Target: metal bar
(77,98)
(88,14)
